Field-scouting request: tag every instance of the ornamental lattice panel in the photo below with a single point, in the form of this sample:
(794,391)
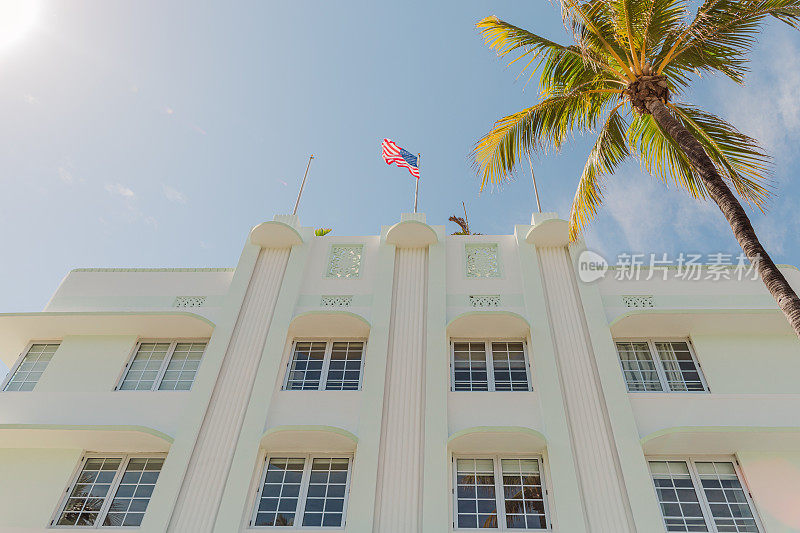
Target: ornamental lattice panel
(189,301)
(482,261)
(344,261)
(336,300)
(638,301)
(484,300)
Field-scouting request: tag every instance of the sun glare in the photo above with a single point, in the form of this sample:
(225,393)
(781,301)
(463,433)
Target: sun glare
(17,18)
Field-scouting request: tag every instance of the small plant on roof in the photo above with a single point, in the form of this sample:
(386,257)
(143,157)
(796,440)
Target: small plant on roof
(321,232)
(463,222)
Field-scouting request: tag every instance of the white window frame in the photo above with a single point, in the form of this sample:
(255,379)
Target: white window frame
(164,364)
(21,358)
(264,458)
(499,492)
(489,361)
(662,375)
(112,490)
(323,376)
(690,461)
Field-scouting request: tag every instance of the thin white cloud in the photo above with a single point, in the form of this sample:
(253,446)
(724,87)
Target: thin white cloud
(641,215)
(119,189)
(173,195)
(634,204)
(768,106)
(65,175)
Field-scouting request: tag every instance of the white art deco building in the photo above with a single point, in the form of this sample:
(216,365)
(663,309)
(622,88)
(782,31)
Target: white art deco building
(405,382)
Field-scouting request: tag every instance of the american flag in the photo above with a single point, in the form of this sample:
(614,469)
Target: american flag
(394,154)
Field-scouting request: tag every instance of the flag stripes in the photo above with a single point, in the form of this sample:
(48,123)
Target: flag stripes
(402,158)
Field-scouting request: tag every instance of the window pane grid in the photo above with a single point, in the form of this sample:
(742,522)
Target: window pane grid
(86,499)
(475,493)
(522,494)
(133,493)
(638,366)
(654,366)
(489,366)
(302,492)
(509,366)
(344,369)
(325,365)
(182,366)
(514,484)
(726,497)
(31,367)
(326,490)
(679,368)
(686,489)
(469,366)
(130,480)
(169,365)
(145,367)
(680,505)
(280,492)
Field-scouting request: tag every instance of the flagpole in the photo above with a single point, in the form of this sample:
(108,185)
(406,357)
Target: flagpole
(302,184)
(535,190)
(416,187)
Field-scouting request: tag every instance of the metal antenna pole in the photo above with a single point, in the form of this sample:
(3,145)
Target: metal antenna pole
(416,187)
(302,184)
(535,190)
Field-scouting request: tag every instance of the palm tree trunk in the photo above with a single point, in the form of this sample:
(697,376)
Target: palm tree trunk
(733,211)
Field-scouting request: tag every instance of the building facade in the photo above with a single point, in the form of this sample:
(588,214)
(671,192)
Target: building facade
(405,382)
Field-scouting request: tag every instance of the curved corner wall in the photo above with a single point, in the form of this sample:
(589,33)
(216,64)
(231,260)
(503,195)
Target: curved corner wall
(201,490)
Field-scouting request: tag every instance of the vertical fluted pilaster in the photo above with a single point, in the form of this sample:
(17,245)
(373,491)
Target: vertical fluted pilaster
(201,491)
(595,453)
(399,483)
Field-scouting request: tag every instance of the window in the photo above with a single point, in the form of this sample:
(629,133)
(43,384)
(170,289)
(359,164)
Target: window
(654,365)
(325,365)
(499,493)
(25,376)
(164,365)
(702,495)
(110,491)
(489,366)
(303,491)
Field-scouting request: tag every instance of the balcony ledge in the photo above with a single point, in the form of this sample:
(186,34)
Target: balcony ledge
(18,329)
(91,437)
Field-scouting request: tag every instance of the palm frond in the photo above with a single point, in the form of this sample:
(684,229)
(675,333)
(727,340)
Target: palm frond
(658,22)
(661,156)
(543,127)
(609,150)
(723,32)
(739,158)
(592,24)
(570,66)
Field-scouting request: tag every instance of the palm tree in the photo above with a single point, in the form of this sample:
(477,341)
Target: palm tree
(629,61)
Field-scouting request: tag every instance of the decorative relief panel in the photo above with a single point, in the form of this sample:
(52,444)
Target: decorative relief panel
(337,300)
(189,301)
(638,301)
(344,261)
(482,261)
(484,300)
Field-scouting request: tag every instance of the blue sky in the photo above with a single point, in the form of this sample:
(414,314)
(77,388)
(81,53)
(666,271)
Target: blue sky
(155,134)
